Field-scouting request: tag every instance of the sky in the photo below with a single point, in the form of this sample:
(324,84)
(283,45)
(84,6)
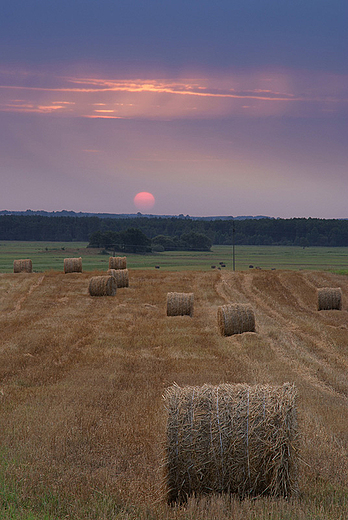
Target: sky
(215,108)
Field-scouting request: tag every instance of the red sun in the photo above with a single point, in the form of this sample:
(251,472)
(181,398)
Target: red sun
(144,200)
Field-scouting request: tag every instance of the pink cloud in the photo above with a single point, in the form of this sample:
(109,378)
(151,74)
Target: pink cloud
(251,95)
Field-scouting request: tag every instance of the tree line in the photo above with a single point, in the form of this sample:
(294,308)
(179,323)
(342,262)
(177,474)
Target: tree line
(174,233)
(133,240)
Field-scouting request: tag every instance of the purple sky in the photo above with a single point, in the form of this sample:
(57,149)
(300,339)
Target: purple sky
(216,108)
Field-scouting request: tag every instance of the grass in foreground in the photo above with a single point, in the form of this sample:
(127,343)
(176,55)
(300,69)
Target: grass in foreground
(50,256)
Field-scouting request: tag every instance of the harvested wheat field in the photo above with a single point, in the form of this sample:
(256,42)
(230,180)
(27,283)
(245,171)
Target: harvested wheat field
(83,422)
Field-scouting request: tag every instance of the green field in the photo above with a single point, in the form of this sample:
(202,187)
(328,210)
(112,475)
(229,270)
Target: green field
(50,255)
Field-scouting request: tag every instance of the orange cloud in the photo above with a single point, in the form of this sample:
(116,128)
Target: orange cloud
(251,95)
(99,116)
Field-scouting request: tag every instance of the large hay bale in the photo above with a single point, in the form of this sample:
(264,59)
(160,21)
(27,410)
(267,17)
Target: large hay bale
(179,304)
(118,262)
(329,298)
(121,277)
(73,265)
(235,318)
(23,266)
(231,439)
(102,286)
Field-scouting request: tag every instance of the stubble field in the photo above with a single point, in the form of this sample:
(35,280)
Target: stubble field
(81,383)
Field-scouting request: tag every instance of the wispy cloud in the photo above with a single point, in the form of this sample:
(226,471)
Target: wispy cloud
(27,108)
(101,116)
(102,98)
(182,89)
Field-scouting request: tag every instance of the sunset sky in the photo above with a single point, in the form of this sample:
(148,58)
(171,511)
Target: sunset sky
(216,108)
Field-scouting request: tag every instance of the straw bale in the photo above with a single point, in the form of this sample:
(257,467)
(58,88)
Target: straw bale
(235,318)
(237,439)
(23,266)
(102,286)
(73,265)
(179,304)
(117,262)
(329,298)
(121,277)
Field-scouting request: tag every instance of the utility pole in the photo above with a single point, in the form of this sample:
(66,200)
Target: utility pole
(233,251)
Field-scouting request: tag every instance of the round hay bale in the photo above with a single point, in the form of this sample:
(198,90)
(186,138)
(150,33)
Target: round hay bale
(235,318)
(121,277)
(179,304)
(231,439)
(102,286)
(73,265)
(117,262)
(23,266)
(329,298)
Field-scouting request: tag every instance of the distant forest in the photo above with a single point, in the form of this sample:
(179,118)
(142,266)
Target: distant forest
(172,231)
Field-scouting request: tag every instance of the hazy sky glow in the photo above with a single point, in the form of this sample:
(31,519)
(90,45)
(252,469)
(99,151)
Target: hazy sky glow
(220,108)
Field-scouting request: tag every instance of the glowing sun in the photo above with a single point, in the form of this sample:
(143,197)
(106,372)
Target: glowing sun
(144,200)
